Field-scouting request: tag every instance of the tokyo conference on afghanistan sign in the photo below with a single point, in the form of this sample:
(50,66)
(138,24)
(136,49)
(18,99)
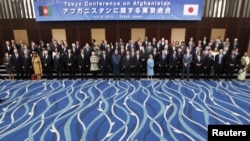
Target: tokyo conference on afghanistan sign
(85,10)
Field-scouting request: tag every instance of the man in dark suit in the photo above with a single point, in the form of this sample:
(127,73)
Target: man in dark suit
(179,56)
(208,64)
(162,63)
(16,61)
(231,63)
(218,64)
(137,65)
(173,64)
(70,63)
(144,57)
(105,64)
(127,64)
(198,62)
(8,48)
(34,47)
(204,42)
(26,64)
(234,45)
(238,58)
(155,57)
(47,64)
(186,61)
(58,65)
(82,63)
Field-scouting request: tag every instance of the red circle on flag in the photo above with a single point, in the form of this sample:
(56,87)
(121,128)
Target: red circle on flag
(190,9)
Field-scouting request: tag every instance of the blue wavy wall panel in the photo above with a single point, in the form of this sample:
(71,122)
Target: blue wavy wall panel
(119,110)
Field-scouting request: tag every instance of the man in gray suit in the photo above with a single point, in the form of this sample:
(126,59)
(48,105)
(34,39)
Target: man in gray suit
(187,59)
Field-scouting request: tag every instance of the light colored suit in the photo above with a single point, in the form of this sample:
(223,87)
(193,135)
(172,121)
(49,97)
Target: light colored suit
(94,60)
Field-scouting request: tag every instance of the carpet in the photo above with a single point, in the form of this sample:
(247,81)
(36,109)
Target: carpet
(99,110)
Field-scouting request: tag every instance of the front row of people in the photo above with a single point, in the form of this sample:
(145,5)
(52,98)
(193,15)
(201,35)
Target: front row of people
(23,64)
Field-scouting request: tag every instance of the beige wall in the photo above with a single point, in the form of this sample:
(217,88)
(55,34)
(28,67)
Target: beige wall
(21,34)
(59,34)
(138,32)
(178,34)
(98,34)
(216,32)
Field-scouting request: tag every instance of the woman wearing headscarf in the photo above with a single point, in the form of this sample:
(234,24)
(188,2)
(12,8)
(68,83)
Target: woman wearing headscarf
(37,65)
(243,67)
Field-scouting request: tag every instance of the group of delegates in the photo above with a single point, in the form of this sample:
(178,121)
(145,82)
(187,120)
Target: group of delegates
(207,58)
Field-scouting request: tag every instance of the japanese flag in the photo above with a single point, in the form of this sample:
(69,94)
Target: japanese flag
(190,9)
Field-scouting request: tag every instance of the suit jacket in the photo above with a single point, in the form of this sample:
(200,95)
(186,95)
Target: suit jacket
(137,61)
(231,60)
(208,61)
(58,62)
(155,57)
(179,56)
(197,61)
(70,59)
(162,60)
(26,61)
(173,61)
(216,61)
(233,46)
(187,59)
(127,62)
(16,61)
(47,61)
(104,62)
(8,50)
(82,60)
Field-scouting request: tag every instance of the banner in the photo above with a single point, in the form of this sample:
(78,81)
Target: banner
(82,10)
